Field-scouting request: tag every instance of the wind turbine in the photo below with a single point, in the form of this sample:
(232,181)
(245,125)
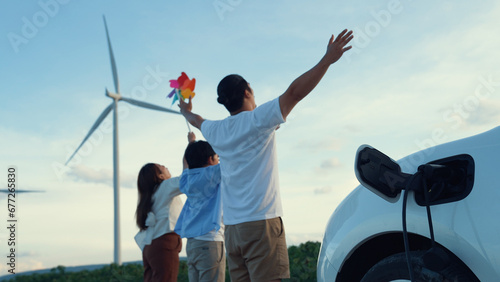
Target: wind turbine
(114,107)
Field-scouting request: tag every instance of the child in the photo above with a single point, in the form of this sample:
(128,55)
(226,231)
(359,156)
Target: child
(201,217)
(158,208)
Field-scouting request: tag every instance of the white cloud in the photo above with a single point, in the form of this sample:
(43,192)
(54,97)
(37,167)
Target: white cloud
(323,190)
(296,239)
(315,146)
(24,262)
(101,176)
(330,163)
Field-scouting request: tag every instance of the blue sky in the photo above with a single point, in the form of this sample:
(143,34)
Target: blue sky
(420,73)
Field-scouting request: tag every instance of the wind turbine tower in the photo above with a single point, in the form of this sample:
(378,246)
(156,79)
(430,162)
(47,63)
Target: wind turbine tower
(116,169)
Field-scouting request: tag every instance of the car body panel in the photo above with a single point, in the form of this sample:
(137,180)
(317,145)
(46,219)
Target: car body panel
(469,228)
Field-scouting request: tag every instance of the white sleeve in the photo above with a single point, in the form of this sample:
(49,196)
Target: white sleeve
(205,128)
(268,115)
(172,184)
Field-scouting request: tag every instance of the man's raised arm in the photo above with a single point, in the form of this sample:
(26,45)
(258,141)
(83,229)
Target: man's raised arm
(191,117)
(305,83)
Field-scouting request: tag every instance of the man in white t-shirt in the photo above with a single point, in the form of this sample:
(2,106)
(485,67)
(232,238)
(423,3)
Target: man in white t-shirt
(245,143)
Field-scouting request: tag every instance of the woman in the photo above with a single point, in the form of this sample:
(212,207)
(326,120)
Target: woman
(157,212)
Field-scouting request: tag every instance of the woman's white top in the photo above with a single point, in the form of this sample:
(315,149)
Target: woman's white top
(162,218)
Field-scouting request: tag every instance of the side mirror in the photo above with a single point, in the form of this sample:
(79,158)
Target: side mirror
(379,173)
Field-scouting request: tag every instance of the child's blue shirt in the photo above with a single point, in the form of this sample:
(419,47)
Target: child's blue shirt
(202,212)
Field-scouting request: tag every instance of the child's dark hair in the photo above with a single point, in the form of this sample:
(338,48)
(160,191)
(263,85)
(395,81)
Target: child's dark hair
(147,184)
(197,154)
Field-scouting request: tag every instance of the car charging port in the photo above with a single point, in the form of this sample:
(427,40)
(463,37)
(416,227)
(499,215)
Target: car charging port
(438,182)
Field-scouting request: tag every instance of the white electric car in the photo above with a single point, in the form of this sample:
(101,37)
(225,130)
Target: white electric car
(438,209)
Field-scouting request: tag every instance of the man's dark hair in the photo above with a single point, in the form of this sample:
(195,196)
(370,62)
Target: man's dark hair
(197,154)
(231,90)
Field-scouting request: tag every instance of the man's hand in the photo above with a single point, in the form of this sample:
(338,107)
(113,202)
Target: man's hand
(185,107)
(337,47)
(192,118)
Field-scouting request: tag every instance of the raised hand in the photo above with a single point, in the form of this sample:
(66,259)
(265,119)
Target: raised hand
(185,107)
(337,47)
(191,137)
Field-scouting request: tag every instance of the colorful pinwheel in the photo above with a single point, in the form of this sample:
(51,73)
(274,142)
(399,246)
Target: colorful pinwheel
(183,88)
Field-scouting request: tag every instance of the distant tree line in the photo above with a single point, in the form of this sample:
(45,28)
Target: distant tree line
(303,261)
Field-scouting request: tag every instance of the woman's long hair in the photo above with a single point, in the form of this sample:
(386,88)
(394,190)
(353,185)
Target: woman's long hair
(147,184)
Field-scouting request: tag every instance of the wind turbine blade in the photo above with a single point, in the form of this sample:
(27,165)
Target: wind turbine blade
(22,191)
(112,58)
(94,127)
(149,106)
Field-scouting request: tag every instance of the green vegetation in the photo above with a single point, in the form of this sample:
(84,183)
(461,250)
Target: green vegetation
(303,260)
